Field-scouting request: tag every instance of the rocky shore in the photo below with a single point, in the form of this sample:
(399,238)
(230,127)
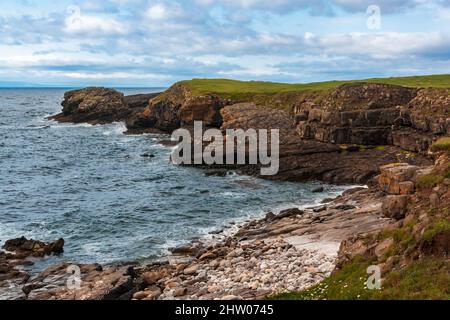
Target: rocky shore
(288,251)
(365,133)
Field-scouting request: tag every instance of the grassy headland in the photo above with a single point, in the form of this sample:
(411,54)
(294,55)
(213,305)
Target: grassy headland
(284,95)
(234,87)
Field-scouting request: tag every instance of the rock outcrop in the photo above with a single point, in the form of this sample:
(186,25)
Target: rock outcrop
(178,107)
(13,278)
(376,114)
(23,248)
(61,282)
(100,106)
(93,105)
(302,159)
(354,114)
(397,178)
(292,250)
(418,240)
(251,116)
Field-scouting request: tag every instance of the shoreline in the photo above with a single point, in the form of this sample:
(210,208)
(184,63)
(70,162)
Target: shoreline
(291,251)
(248,264)
(285,252)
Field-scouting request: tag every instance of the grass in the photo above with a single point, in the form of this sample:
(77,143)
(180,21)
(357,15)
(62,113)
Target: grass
(425,279)
(442,144)
(429,181)
(285,95)
(230,87)
(436,228)
(226,86)
(432,81)
(347,284)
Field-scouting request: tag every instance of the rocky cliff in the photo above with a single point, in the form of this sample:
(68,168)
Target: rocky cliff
(178,107)
(339,135)
(100,106)
(412,252)
(377,114)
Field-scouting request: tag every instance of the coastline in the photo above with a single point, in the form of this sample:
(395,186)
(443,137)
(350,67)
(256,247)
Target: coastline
(293,250)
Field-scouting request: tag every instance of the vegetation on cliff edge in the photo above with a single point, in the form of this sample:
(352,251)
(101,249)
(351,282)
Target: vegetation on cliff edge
(285,95)
(425,279)
(235,87)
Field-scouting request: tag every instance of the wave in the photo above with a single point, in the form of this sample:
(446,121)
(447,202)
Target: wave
(116,128)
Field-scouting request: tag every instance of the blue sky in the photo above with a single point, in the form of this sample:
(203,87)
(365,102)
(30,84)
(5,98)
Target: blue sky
(158,42)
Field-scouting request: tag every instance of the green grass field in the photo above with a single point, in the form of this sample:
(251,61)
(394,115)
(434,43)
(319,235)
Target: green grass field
(233,87)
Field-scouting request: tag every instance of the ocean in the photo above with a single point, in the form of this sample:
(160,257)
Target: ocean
(91,186)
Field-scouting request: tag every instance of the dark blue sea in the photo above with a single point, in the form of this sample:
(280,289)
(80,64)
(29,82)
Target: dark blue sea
(91,186)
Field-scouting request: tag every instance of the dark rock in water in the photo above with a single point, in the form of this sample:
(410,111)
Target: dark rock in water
(146,155)
(318,190)
(169,143)
(216,173)
(26,248)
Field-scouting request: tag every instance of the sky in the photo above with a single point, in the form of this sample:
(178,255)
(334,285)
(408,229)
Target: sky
(154,43)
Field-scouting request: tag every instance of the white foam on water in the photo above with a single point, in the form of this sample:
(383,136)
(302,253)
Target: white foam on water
(230,227)
(116,128)
(61,125)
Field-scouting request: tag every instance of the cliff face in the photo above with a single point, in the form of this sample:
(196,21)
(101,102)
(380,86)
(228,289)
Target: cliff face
(339,135)
(178,107)
(375,114)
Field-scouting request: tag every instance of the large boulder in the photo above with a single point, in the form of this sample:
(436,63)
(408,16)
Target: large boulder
(397,178)
(395,207)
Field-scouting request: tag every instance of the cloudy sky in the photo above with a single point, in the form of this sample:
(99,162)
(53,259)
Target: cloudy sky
(157,42)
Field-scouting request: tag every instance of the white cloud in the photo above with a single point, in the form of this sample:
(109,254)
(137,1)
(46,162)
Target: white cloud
(157,12)
(80,23)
